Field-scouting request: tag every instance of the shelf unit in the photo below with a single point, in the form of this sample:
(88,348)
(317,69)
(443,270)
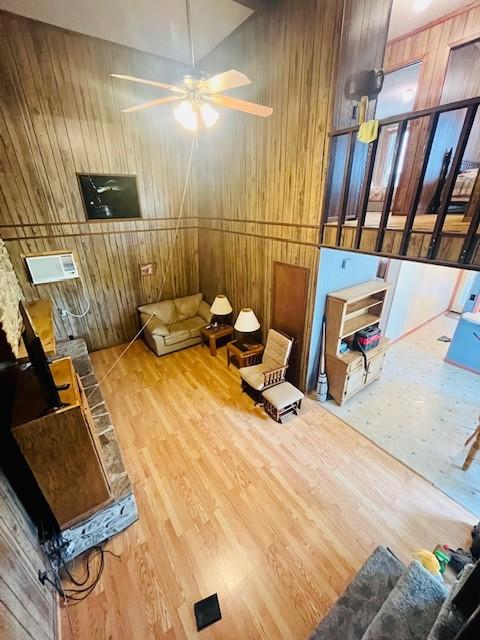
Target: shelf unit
(348,311)
(61,447)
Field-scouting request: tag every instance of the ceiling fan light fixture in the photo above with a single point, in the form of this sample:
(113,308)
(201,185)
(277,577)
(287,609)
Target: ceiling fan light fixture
(209,115)
(186,115)
(197,92)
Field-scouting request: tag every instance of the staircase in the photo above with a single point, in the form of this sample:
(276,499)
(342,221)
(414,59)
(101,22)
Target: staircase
(388,601)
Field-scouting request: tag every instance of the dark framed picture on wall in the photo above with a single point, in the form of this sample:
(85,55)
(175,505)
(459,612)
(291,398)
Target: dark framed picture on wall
(109,197)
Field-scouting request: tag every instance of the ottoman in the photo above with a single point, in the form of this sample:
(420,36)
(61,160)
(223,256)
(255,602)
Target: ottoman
(282,399)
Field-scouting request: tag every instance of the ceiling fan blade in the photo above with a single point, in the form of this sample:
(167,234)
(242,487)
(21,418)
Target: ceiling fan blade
(241,105)
(227,80)
(153,83)
(151,103)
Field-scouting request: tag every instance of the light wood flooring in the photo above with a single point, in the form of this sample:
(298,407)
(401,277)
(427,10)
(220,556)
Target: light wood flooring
(274,518)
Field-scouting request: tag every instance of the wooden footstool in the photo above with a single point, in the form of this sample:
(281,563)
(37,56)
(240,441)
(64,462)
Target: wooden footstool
(282,399)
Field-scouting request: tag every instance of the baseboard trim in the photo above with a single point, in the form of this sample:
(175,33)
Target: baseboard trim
(404,335)
(462,366)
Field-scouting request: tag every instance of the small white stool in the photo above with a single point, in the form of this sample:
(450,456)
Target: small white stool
(282,399)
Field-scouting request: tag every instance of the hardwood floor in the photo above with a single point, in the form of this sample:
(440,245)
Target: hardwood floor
(275,518)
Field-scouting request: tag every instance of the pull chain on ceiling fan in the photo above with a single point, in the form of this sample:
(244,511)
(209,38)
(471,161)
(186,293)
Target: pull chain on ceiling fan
(198,92)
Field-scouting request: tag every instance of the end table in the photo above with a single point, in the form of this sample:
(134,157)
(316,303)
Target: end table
(211,334)
(244,358)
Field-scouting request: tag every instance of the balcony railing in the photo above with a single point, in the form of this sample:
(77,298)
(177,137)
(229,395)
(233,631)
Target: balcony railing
(414,192)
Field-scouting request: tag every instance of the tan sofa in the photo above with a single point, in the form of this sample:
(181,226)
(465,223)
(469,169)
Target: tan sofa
(177,323)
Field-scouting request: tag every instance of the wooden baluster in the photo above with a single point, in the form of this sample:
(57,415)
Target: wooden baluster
(473,213)
(346,186)
(402,127)
(367,183)
(418,191)
(452,176)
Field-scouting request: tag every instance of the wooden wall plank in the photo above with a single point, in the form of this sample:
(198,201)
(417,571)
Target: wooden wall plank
(59,115)
(362,47)
(261,180)
(431,46)
(27,609)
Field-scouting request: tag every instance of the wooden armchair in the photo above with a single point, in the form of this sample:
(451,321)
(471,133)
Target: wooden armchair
(272,368)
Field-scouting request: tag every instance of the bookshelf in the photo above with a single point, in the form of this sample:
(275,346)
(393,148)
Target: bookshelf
(348,311)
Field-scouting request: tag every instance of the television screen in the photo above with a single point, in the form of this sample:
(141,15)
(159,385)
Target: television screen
(108,197)
(39,361)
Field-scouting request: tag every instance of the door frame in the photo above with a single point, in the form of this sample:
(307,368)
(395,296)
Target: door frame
(301,381)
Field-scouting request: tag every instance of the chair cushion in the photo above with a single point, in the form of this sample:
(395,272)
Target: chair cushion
(253,375)
(277,350)
(164,311)
(178,333)
(187,307)
(282,395)
(194,325)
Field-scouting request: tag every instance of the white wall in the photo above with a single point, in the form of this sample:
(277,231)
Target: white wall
(422,291)
(336,270)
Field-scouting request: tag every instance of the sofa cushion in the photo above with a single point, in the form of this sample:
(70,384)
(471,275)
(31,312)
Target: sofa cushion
(178,333)
(253,375)
(204,311)
(194,325)
(157,327)
(187,307)
(164,311)
(154,325)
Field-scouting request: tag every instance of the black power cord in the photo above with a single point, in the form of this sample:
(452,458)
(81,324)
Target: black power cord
(83,586)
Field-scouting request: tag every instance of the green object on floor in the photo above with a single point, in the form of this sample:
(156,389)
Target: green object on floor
(442,558)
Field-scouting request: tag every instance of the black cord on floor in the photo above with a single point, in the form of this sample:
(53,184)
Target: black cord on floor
(83,586)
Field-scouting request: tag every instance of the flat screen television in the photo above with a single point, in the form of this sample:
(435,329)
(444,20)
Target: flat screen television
(39,362)
(109,197)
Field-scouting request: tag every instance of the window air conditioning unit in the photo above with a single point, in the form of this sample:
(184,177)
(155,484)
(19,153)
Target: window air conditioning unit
(51,267)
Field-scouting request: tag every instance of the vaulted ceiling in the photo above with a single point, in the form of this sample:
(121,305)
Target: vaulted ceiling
(155,26)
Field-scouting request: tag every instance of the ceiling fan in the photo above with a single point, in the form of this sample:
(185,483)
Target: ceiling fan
(197,93)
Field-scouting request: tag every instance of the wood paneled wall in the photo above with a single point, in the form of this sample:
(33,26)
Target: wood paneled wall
(432,47)
(261,180)
(27,609)
(60,114)
(364,36)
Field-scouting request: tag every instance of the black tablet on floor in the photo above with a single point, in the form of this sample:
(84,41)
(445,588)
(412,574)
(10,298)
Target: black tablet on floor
(207,611)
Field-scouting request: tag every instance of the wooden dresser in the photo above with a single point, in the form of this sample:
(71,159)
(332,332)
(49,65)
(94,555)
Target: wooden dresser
(61,447)
(348,311)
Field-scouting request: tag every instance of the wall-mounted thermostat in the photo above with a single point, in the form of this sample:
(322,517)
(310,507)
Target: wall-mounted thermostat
(51,267)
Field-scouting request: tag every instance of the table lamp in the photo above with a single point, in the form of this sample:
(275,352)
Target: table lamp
(246,323)
(221,308)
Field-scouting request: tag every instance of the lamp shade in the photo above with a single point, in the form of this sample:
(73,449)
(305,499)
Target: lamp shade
(247,321)
(221,306)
